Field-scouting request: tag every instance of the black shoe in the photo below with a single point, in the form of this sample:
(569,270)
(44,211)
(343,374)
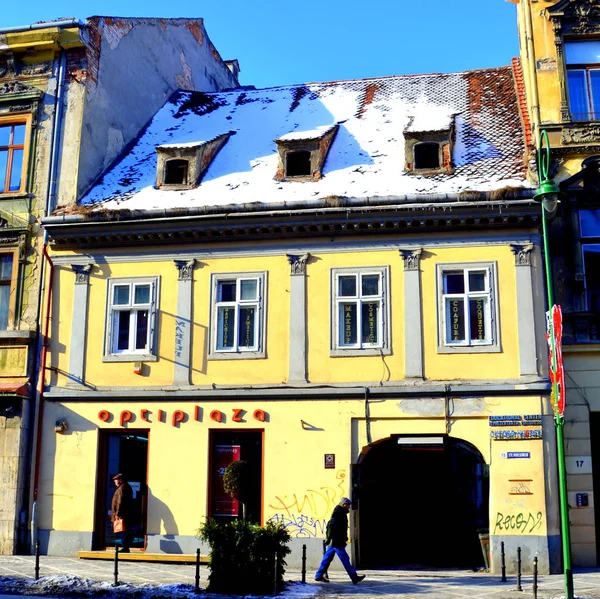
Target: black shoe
(358,579)
(323,578)
(124,551)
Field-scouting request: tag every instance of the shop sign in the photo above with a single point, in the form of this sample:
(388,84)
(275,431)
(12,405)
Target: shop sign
(557,373)
(514,421)
(516,455)
(178,417)
(330,460)
(224,504)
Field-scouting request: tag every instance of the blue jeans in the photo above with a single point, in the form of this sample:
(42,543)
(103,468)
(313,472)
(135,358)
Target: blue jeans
(328,558)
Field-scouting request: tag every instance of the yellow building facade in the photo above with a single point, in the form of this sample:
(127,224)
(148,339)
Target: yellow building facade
(559,53)
(382,347)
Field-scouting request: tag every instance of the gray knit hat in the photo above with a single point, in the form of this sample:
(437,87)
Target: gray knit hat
(344,501)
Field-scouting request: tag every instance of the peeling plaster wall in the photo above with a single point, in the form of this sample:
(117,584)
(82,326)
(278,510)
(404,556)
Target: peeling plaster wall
(140,63)
(13,456)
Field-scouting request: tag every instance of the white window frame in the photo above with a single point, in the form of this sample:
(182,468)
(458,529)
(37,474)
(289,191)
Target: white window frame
(360,349)
(148,354)
(492,343)
(237,352)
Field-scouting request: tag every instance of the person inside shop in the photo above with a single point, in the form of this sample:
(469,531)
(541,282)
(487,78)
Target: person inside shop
(336,539)
(121,506)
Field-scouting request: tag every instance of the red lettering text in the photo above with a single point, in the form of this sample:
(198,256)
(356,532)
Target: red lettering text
(126,416)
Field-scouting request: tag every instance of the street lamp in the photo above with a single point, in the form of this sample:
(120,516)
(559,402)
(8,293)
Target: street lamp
(547,195)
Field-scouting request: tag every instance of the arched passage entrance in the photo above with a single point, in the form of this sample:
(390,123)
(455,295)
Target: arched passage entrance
(421,502)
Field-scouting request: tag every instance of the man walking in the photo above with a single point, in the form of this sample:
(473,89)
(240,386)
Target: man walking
(121,505)
(336,539)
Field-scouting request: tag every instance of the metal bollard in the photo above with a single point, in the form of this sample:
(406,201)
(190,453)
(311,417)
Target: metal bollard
(303,563)
(503,558)
(197,587)
(37,559)
(519,587)
(116,583)
(324,546)
(535,577)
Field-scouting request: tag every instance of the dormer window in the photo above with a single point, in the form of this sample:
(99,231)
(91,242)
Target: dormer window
(182,166)
(427,155)
(297,163)
(428,144)
(176,172)
(302,154)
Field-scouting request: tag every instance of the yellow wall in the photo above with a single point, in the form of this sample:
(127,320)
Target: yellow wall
(322,368)
(298,490)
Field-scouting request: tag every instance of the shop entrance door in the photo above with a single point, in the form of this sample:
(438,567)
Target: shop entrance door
(227,447)
(422,503)
(123,452)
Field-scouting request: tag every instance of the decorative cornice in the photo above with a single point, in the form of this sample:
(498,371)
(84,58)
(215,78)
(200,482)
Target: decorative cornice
(185,268)
(297,263)
(15,90)
(411,258)
(522,252)
(576,16)
(82,273)
(580,135)
(127,233)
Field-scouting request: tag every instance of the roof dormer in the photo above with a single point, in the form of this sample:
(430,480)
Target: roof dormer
(428,144)
(182,166)
(302,154)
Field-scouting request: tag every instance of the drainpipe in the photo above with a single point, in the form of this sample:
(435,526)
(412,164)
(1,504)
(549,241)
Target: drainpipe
(368,416)
(531,67)
(56,134)
(39,415)
(42,340)
(49,25)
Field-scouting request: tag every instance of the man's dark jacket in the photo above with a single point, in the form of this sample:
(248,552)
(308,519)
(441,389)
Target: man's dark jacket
(337,528)
(122,503)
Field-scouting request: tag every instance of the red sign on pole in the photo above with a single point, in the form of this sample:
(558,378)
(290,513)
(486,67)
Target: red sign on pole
(557,372)
(224,504)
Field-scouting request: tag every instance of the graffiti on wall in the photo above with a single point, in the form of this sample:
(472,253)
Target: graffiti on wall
(305,514)
(301,527)
(522,522)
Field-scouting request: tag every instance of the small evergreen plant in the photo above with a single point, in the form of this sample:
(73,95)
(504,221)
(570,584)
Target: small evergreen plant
(237,482)
(242,556)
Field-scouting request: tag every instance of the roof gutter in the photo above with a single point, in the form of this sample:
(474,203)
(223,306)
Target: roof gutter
(50,25)
(332,203)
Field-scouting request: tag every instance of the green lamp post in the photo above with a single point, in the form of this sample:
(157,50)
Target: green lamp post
(547,194)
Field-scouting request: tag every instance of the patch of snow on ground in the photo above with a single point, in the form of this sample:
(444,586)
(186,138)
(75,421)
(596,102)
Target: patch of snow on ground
(67,585)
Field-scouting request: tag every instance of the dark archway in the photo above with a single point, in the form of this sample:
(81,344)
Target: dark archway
(422,502)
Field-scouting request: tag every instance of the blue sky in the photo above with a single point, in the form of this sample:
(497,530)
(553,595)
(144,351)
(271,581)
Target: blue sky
(294,41)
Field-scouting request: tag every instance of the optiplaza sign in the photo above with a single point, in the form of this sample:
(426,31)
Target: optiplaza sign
(178,417)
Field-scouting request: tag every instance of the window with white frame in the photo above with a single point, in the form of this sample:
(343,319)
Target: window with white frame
(131,318)
(238,321)
(467,306)
(359,311)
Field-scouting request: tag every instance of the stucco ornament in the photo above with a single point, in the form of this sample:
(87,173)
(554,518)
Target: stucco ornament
(411,258)
(298,263)
(185,268)
(522,252)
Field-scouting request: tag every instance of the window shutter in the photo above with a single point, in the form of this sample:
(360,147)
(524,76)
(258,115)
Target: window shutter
(109,337)
(490,275)
(152,341)
(384,331)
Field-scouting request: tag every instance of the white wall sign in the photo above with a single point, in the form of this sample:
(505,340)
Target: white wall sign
(579,464)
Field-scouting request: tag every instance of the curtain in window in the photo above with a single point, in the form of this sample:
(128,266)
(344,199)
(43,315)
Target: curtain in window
(578,101)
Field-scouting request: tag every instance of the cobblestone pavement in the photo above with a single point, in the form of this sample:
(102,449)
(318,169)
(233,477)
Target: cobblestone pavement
(395,584)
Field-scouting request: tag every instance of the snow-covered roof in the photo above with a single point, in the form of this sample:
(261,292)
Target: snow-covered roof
(304,135)
(366,158)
